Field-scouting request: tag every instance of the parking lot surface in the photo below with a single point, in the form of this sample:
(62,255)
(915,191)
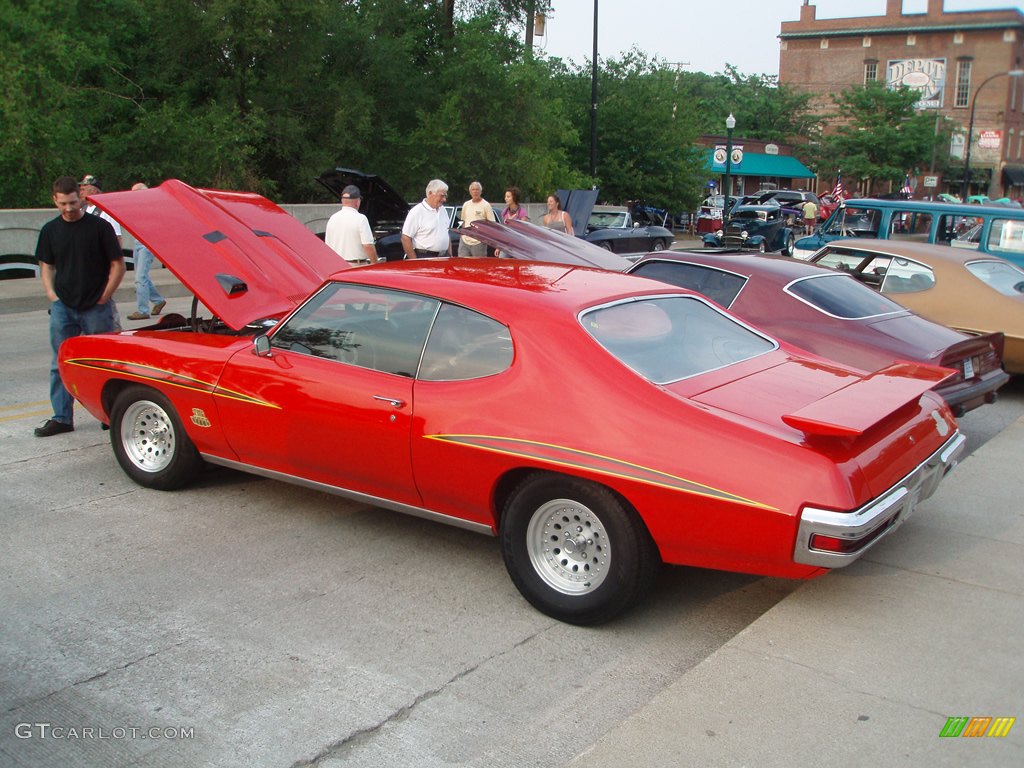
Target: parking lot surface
(246,622)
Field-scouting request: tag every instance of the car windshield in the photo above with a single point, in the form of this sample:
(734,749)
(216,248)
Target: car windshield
(842,296)
(854,222)
(608,219)
(717,284)
(668,338)
(1000,275)
(749,214)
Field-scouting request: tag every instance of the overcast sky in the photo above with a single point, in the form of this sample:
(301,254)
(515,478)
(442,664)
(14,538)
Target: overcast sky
(704,34)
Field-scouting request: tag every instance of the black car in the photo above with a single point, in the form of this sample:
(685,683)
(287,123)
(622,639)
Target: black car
(762,228)
(383,206)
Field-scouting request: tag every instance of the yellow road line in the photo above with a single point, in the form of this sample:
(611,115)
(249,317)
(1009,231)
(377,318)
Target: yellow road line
(26,415)
(20,406)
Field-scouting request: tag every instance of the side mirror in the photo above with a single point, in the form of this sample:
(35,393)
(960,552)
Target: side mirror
(261,346)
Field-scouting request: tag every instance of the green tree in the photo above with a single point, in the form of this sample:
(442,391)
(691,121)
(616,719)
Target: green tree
(879,136)
(645,131)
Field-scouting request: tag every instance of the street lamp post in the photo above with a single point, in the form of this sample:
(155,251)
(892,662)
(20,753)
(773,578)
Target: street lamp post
(970,127)
(593,105)
(730,123)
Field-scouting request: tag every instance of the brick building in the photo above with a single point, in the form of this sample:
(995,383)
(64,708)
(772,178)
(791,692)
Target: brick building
(947,56)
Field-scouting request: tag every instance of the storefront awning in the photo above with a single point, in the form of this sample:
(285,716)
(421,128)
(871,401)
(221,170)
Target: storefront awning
(755,164)
(1014,175)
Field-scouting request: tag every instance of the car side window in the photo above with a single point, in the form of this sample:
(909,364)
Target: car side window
(368,327)
(957,229)
(719,286)
(910,225)
(464,344)
(1006,236)
(906,276)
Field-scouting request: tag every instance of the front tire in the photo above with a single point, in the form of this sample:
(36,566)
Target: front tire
(659,245)
(150,442)
(606,244)
(787,249)
(575,550)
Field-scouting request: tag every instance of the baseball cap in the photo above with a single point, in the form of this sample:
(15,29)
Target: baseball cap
(351,192)
(91,180)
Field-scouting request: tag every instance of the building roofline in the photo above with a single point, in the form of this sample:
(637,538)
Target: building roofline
(906,29)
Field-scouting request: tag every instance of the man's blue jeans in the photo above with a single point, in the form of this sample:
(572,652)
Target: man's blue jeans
(145,291)
(66,323)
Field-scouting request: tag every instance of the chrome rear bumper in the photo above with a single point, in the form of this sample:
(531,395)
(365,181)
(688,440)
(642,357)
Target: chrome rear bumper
(830,539)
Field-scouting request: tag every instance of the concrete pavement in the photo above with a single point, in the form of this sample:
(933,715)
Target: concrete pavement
(864,665)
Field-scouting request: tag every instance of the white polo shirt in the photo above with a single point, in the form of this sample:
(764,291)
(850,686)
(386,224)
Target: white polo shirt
(347,232)
(428,228)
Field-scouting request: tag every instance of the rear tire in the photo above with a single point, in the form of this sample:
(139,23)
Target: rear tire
(150,442)
(606,244)
(575,550)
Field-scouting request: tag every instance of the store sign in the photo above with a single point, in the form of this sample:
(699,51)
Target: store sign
(990,139)
(718,157)
(926,76)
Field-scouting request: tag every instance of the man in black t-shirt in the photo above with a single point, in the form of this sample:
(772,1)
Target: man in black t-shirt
(81,266)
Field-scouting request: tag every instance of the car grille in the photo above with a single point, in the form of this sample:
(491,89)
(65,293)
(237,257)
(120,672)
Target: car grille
(733,237)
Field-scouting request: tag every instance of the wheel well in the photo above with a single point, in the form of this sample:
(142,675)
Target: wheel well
(111,391)
(508,483)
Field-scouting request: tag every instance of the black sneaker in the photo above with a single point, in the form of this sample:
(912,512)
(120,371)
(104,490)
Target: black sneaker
(53,427)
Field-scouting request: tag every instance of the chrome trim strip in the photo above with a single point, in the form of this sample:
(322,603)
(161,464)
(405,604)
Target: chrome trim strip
(888,511)
(377,501)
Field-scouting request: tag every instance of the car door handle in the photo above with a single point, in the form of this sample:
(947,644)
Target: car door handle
(393,401)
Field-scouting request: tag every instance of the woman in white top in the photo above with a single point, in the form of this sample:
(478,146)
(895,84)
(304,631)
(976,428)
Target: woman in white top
(556,218)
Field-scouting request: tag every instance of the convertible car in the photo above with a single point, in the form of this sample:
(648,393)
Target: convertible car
(598,423)
(617,231)
(833,315)
(974,292)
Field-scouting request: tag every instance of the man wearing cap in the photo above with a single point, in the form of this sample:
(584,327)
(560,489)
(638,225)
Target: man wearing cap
(425,232)
(348,231)
(81,266)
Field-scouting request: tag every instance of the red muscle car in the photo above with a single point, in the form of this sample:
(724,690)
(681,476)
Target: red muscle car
(599,423)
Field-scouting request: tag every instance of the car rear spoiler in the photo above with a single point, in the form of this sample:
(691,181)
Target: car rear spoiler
(852,410)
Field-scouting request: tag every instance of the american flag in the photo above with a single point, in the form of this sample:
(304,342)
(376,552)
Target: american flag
(906,189)
(837,191)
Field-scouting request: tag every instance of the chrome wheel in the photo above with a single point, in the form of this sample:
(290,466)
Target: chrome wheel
(568,546)
(147,436)
(558,534)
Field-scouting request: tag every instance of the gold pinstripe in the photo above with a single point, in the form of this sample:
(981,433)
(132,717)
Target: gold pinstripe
(672,482)
(198,384)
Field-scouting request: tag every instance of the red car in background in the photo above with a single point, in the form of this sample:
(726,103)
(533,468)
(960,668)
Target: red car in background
(826,205)
(598,423)
(834,315)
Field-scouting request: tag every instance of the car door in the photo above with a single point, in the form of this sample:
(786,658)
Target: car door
(336,390)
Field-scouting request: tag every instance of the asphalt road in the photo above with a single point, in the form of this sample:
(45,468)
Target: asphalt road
(247,622)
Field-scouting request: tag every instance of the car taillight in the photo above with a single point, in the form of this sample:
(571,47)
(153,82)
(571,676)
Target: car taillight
(847,546)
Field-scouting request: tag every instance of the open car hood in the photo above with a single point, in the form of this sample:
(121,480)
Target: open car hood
(579,204)
(242,256)
(522,240)
(381,203)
